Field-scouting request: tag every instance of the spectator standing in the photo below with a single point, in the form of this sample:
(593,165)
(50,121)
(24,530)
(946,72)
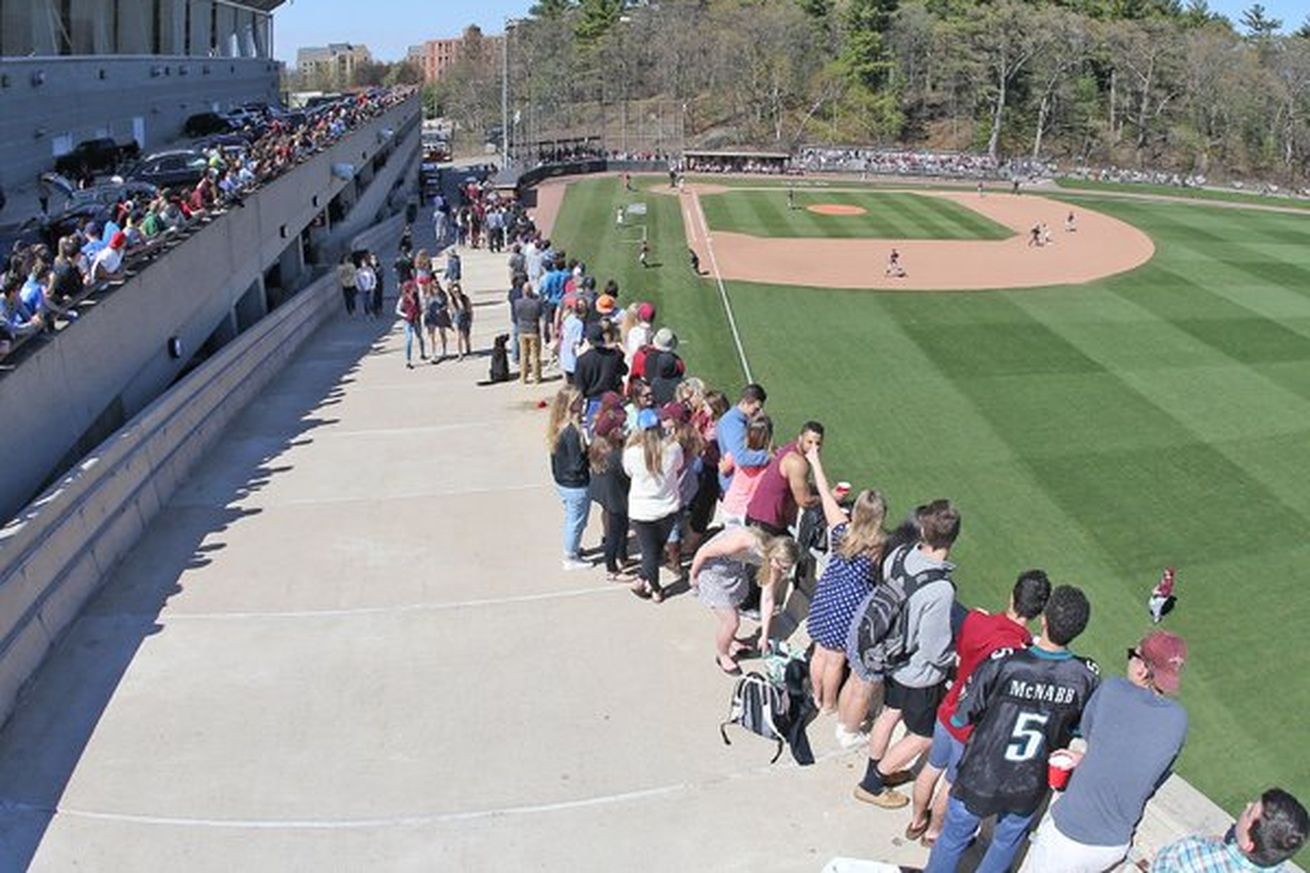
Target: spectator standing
(346,278)
(652,462)
(407,307)
(721,575)
(609,488)
(366,282)
(600,367)
(855,546)
(1134,733)
(436,316)
(571,470)
(1023,706)
(527,319)
(641,333)
(917,684)
(730,431)
(980,634)
(463,321)
(664,369)
(784,487)
(570,339)
(379,285)
(1269,831)
(516,262)
(759,440)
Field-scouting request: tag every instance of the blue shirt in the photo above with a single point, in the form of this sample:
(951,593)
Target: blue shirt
(552,286)
(570,339)
(32,296)
(731,434)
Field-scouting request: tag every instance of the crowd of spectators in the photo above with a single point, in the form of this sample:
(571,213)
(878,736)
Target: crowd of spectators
(44,280)
(1171,178)
(734,163)
(997,708)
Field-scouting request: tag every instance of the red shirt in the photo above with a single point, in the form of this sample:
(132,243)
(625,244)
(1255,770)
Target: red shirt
(980,635)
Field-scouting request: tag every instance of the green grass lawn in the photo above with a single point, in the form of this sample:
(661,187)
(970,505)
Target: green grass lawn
(888,215)
(1099,431)
(1189,193)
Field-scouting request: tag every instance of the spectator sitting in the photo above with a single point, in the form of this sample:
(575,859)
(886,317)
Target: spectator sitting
(108,264)
(1268,832)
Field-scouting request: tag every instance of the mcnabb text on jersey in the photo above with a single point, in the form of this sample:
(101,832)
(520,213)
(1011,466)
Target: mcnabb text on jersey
(1024,705)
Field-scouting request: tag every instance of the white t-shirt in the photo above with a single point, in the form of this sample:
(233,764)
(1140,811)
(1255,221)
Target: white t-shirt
(637,337)
(107,262)
(365,280)
(651,498)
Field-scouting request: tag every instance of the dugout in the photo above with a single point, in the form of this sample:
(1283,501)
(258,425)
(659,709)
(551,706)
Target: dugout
(736,161)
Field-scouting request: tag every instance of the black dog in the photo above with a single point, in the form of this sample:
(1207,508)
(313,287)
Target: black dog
(500,359)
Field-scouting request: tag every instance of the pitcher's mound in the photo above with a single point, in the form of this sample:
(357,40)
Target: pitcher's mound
(836,209)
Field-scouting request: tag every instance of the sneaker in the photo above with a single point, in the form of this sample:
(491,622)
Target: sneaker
(752,613)
(850,740)
(886,799)
(575,564)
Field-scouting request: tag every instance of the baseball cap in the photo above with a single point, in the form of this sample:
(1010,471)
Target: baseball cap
(118,240)
(611,400)
(605,304)
(646,311)
(595,333)
(673,411)
(665,340)
(1164,654)
(647,419)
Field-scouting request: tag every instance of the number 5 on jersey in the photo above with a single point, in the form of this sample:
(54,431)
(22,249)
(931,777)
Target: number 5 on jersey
(1027,739)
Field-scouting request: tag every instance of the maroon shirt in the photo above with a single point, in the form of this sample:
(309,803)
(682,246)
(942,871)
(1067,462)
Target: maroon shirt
(773,503)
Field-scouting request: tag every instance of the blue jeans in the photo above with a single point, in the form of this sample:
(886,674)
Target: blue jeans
(958,833)
(410,331)
(577,505)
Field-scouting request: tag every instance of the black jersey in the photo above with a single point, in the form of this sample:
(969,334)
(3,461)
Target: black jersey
(1024,705)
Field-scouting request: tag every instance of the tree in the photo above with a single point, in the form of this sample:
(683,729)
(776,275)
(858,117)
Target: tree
(550,8)
(1304,30)
(866,56)
(1005,42)
(596,17)
(1259,25)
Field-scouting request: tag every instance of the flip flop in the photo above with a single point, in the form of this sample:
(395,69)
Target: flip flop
(913,833)
(642,592)
(735,671)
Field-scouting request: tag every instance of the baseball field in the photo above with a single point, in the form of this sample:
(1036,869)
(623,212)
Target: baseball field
(1134,395)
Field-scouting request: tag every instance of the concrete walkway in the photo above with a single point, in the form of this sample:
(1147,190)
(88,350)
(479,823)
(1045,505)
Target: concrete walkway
(347,645)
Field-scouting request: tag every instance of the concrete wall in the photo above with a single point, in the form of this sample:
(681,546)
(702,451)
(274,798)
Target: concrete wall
(117,352)
(48,105)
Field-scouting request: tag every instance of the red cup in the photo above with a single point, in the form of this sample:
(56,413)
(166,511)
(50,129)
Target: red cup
(841,489)
(1058,769)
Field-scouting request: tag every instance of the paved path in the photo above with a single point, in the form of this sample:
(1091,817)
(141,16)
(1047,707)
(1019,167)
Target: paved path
(346,644)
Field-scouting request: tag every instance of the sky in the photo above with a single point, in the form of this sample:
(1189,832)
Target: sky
(388,27)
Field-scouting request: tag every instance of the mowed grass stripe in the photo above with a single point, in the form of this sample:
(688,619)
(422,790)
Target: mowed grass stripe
(888,215)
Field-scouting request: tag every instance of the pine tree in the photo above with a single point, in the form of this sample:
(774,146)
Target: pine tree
(1258,24)
(866,57)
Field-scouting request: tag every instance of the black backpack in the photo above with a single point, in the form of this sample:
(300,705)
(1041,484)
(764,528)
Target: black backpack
(876,638)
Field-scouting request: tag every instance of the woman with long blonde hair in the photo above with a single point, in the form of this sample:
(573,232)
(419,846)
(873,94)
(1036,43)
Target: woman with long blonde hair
(855,552)
(571,470)
(721,575)
(652,462)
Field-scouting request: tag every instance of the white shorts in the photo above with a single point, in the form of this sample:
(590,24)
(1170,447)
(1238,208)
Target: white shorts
(1053,852)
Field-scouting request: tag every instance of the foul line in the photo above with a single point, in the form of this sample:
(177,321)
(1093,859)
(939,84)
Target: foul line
(723,291)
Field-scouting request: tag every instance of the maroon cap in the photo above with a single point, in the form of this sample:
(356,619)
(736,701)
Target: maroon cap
(611,400)
(608,421)
(646,311)
(673,411)
(118,240)
(1164,654)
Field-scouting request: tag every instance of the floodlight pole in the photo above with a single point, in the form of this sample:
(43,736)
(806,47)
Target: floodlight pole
(504,94)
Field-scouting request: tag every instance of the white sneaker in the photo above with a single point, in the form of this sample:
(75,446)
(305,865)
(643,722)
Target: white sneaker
(576,564)
(850,740)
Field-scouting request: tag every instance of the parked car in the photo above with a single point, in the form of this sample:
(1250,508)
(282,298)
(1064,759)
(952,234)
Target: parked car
(221,140)
(179,167)
(206,123)
(93,156)
(86,204)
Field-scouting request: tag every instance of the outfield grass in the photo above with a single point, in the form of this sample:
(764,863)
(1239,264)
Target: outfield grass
(1187,193)
(887,215)
(1099,431)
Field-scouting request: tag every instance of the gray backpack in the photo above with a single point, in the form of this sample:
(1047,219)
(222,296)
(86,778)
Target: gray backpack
(876,639)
